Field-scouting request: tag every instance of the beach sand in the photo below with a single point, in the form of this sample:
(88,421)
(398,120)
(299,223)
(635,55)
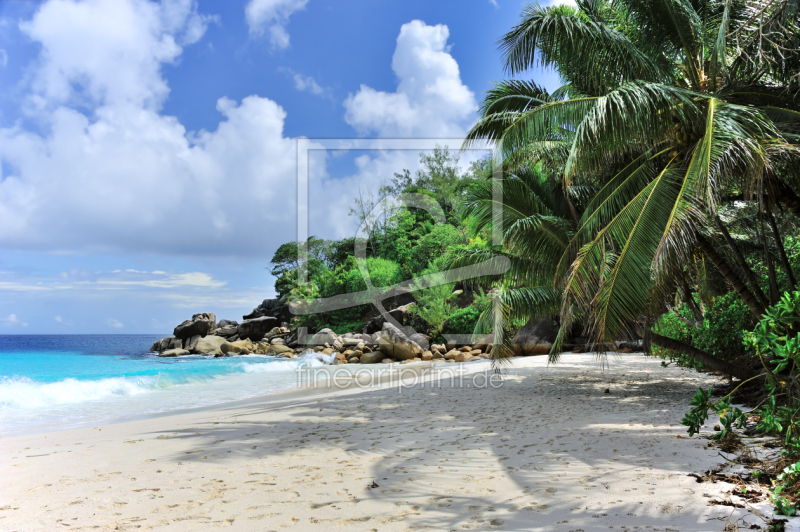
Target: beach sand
(546,450)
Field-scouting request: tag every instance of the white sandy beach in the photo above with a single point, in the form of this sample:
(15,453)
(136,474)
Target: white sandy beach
(547,450)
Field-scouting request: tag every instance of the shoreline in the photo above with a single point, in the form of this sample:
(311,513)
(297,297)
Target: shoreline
(547,450)
(309,389)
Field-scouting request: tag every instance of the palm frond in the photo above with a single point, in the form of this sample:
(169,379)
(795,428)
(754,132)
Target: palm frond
(607,202)
(611,286)
(634,115)
(588,52)
(514,96)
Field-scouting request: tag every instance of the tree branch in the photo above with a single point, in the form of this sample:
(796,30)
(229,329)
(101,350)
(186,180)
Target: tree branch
(737,255)
(781,250)
(710,361)
(722,265)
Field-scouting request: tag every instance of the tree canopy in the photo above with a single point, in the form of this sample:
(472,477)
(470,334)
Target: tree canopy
(670,113)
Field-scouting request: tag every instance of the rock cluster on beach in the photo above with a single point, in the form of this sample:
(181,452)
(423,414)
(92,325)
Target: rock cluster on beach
(390,345)
(264,332)
(202,335)
(260,333)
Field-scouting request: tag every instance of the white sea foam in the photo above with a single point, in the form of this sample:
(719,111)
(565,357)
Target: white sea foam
(22,392)
(308,360)
(26,403)
(25,393)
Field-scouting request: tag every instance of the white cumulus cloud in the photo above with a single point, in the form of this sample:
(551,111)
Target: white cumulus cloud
(103,170)
(115,323)
(108,171)
(431,100)
(108,50)
(272,16)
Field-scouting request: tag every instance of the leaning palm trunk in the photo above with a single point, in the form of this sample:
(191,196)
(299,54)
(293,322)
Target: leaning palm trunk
(787,196)
(722,265)
(710,361)
(746,270)
(781,250)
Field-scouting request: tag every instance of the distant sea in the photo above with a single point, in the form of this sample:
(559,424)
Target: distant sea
(59,381)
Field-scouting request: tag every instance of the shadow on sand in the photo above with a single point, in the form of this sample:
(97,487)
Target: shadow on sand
(577,458)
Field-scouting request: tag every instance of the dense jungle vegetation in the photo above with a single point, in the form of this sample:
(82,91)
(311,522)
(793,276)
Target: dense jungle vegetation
(404,243)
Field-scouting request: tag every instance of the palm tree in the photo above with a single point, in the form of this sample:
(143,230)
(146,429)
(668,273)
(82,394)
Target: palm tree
(667,107)
(536,231)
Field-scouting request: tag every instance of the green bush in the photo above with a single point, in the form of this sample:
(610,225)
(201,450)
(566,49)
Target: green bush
(463,320)
(775,336)
(720,334)
(434,306)
(382,273)
(347,279)
(775,341)
(434,245)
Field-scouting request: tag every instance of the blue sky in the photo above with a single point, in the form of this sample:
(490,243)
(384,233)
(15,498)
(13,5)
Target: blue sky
(148,154)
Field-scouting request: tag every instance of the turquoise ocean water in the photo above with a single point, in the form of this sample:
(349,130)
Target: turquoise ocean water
(57,381)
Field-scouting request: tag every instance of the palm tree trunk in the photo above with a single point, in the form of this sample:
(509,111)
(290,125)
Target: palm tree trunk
(787,195)
(737,255)
(687,295)
(722,265)
(648,334)
(781,250)
(710,361)
(774,291)
(571,210)
(773,281)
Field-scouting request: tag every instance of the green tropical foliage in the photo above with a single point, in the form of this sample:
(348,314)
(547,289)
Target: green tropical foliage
(435,304)
(404,243)
(719,333)
(536,229)
(671,114)
(774,341)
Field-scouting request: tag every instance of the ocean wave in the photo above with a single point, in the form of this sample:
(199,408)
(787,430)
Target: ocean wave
(22,392)
(25,393)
